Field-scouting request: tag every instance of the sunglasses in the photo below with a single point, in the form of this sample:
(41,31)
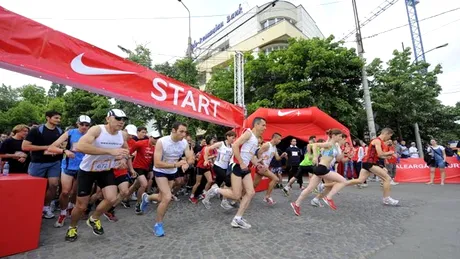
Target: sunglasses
(121,118)
(84,124)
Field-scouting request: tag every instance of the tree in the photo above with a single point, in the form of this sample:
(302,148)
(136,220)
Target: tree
(403,94)
(57,90)
(310,72)
(79,102)
(34,94)
(23,113)
(8,97)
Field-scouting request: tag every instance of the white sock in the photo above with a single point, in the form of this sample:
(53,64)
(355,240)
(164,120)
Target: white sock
(316,199)
(224,199)
(46,208)
(70,206)
(237,217)
(63,212)
(191,196)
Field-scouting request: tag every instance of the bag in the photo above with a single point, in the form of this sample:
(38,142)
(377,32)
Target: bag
(42,127)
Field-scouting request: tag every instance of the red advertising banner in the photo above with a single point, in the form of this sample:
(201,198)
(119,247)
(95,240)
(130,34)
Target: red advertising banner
(415,170)
(34,49)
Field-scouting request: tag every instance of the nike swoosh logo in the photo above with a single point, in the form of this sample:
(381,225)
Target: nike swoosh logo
(280,113)
(80,68)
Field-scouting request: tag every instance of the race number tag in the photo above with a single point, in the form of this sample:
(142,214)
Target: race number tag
(295,153)
(99,166)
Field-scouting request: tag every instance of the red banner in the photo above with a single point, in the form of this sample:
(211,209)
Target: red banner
(34,49)
(415,170)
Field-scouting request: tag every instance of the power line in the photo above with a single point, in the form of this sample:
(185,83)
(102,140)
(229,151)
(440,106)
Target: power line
(402,26)
(160,17)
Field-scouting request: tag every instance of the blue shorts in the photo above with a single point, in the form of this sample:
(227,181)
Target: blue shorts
(72,173)
(45,170)
(276,170)
(171,177)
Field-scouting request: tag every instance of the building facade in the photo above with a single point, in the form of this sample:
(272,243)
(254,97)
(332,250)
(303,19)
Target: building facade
(268,31)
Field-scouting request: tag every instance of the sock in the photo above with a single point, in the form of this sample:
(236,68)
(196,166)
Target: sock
(91,218)
(237,217)
(63,212)
(46,208)
(316,199)
(191,196)
(70,206)
(224,199)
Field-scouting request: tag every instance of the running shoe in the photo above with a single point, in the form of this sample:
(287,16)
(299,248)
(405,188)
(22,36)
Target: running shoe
(295,208)
(144,202)
(330,203)
(60,221)
(240,223)
(71,234)
(96,226)
(390,201)
(158,230)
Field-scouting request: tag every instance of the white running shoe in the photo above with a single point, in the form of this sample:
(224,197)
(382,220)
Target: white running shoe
(390,201)
(226,205)
(315,202)
(241,223)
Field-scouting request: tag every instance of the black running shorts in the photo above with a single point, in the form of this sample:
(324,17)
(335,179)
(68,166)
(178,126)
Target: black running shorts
(85,181)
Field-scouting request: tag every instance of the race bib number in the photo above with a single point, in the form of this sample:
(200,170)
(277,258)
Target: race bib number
(295,153)
(99,166)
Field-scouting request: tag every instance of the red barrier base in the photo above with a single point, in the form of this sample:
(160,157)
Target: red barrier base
(415,170)
(263,184)
(22,196)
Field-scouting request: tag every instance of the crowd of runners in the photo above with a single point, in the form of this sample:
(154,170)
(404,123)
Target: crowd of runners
(96,168)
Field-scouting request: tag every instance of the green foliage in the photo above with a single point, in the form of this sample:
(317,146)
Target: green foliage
(57,90)
(404,93)
(79,102)
(310,72)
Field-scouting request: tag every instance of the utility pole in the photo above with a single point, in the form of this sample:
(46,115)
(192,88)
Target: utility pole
(367,94)
(189,46)
(238,89)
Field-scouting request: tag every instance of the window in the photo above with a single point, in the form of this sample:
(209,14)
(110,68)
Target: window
(271,48)
(273,21)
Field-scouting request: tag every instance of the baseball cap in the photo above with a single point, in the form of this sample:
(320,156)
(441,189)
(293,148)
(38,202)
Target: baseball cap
(154,134)
(84,118)
(117,113)
(131,129)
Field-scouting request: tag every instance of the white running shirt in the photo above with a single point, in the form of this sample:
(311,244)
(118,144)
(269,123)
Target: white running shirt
(172,152)
(224,154)
(99,163)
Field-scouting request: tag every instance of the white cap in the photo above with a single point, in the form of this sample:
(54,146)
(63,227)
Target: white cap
(84,118)
(131,129)
(154,134)
(117,113)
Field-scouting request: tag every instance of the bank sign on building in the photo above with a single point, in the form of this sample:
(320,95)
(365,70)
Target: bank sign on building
(217,27)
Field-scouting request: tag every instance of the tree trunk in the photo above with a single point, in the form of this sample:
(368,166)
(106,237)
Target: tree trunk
(399,130)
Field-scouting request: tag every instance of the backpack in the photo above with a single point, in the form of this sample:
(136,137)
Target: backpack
(69,145)
(41,128)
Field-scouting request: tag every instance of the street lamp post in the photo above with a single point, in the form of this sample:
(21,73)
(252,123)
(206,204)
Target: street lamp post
(418,139)
(189,46)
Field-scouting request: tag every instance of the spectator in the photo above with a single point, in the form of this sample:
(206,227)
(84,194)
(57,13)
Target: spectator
(413,151)
(438,160)
(43,163)
(294,153)
(402,150)
(390,163)
(11,150)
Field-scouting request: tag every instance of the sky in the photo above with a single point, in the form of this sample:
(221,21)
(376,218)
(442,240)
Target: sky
(162,25)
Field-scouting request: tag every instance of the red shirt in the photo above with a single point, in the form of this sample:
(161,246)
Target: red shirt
(200,163)
(391,159)
(372,156)
(121,172)
(355,155)
(144,156)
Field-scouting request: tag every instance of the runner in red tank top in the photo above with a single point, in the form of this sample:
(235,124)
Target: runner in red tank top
(203,169)
(371,165)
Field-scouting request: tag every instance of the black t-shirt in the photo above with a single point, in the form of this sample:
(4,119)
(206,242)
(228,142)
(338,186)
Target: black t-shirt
(294,155)
(45,139)
(11,146)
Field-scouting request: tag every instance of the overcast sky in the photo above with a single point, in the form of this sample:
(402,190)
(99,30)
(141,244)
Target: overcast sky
(163,26)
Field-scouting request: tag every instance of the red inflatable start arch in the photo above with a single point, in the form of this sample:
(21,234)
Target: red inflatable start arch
(300,123)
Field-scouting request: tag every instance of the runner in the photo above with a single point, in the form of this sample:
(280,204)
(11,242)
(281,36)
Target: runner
(220,167)
(143,163)
(168,151)
(244,150)
(105,148)
(70,166)
(306,167)
(268,151)
(329,155)
(203,169)
(370,165)
(43,163)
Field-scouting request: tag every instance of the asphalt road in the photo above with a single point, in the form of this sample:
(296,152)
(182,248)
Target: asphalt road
(425,225)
